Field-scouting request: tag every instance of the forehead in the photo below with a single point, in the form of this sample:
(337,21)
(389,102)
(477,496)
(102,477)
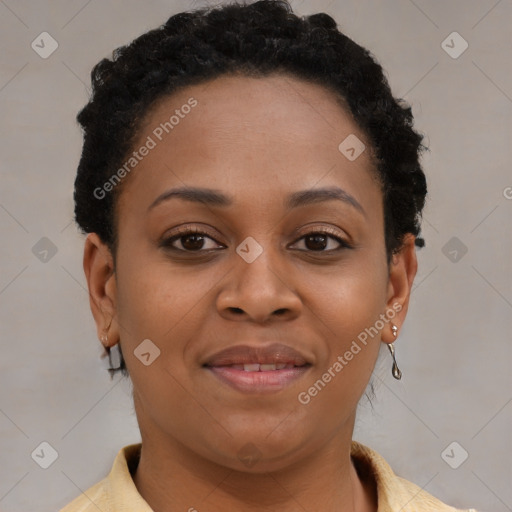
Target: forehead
(249,135)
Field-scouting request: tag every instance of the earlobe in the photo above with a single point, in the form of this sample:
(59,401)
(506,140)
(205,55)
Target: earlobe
(402,272)
(99,271)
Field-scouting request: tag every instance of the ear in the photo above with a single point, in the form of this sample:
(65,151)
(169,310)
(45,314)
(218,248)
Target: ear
(403,267)
(99,271)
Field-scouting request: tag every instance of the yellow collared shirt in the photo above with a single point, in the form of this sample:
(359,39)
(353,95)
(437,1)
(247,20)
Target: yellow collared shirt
(118,493)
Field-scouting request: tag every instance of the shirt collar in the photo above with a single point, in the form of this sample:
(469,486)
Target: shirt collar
(391,494)
(121,488)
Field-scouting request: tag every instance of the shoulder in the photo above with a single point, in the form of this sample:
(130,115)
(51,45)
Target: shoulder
(90,500)
(421,500)
(116,492)
(393,492)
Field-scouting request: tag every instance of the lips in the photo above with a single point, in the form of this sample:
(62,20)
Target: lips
(258,369)
(268,358)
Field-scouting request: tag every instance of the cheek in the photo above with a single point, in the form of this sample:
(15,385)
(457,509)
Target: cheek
(165,304)
(346,312)
(347,358)
(154,303)
(154,298)
(349,298)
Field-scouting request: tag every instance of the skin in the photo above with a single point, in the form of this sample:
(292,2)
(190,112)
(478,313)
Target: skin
(257,140)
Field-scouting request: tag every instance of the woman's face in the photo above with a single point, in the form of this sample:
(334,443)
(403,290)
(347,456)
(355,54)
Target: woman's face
(261,284)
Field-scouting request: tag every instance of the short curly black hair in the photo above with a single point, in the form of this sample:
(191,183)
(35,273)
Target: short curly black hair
(256,39)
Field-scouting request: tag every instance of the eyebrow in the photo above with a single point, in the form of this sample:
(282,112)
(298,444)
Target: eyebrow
(215,198)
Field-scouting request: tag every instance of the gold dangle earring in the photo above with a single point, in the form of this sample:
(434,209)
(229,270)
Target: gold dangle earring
(395,371)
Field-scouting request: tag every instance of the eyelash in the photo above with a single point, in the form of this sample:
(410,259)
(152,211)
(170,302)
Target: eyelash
(167,242)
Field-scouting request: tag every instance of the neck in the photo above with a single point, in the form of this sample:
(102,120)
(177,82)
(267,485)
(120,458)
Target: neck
(171,477)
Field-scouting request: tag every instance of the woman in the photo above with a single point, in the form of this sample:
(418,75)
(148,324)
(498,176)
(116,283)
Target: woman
(252,195)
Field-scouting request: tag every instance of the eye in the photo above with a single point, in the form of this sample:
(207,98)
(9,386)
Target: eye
(318,241)
(193,240)
(190,239)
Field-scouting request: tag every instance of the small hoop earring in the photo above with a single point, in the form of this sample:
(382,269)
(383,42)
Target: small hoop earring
(395,371)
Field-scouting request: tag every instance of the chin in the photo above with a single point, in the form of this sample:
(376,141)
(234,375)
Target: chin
(259,452)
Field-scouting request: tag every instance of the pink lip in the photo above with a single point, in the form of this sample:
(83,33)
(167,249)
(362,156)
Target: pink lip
(258,382)
(245,354)
(225,365)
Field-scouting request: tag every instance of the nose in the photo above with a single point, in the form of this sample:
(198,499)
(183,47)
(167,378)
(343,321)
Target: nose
(259,291)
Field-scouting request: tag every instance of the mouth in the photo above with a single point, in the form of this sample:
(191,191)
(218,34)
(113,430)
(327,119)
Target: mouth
(258,369)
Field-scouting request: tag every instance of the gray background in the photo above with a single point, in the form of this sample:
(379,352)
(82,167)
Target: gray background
(454,349)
